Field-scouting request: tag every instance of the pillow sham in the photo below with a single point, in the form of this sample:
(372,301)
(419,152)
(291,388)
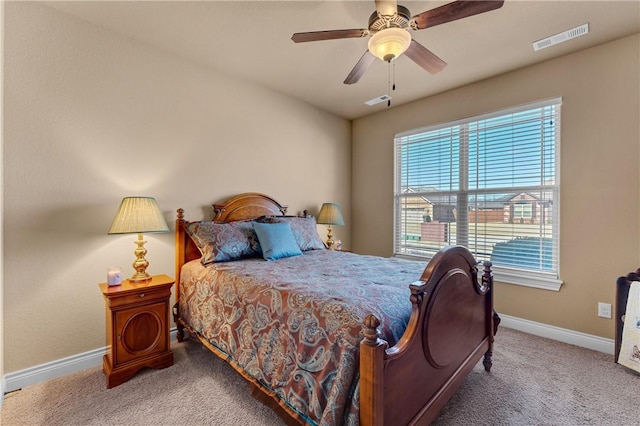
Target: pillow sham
(276,240)
(303,228)
(222,242)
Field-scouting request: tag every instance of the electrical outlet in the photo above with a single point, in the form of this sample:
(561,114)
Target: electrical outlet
(604,310)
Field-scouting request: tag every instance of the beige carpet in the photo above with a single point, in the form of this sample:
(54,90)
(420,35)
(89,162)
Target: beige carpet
(534,381)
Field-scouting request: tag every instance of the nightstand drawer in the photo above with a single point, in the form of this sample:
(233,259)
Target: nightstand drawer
(143,296)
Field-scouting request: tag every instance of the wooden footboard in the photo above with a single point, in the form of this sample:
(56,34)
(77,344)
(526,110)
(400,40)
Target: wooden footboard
(451,328)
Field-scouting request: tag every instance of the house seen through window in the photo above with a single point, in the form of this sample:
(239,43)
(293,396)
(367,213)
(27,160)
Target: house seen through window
(489,183)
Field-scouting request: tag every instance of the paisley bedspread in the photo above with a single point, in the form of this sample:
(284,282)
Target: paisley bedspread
(294,324)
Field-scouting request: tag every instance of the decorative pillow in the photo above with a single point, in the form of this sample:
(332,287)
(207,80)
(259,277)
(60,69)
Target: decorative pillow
(277,240)
(222,242)
(304,230)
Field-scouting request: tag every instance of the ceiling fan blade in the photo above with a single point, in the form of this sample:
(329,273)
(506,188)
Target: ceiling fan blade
(363,64)
(387,7)
(328,35)
(425,58)
(453,11)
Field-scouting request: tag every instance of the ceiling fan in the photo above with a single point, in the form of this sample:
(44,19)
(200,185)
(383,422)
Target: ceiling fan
(390,38)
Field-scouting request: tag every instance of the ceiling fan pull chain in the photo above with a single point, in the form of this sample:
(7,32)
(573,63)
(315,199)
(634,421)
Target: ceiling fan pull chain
(394,76)
(389,84)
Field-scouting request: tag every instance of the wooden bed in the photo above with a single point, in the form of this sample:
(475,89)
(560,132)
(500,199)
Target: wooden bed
(450,329)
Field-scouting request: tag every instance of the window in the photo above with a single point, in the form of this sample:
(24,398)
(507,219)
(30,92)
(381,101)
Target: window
(522,211)
(489,183)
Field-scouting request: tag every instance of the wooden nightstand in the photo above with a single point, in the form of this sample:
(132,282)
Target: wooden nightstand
(137,327)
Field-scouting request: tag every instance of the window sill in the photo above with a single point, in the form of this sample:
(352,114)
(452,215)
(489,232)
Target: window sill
(526,279)
(511,276)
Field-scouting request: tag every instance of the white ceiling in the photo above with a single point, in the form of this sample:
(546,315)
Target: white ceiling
(251,40)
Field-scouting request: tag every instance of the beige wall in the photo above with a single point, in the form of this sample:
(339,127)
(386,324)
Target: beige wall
(600,148)
(91,117)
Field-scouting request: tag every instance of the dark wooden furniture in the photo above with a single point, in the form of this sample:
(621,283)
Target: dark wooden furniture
(450,330)
(622,294)
(137,317)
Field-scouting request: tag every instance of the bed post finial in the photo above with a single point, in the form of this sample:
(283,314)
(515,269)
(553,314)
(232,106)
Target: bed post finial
(180,215)
(371,332)
(487,275)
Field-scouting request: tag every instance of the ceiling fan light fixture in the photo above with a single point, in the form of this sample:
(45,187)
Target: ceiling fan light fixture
(389,43)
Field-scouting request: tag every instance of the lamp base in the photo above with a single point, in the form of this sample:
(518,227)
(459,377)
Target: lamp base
(140,264)
(139,277)
(330,238)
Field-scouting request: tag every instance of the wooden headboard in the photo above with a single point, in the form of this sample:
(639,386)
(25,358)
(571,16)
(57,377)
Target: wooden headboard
(246,206)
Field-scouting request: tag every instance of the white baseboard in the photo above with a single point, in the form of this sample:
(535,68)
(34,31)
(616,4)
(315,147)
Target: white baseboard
(51,370)
(564,335)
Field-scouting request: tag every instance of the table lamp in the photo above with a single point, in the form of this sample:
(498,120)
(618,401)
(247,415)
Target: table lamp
(138,215)
(330,215)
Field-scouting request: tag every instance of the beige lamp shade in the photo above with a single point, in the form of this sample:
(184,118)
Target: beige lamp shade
(330,215)
(135,216)
(138,215)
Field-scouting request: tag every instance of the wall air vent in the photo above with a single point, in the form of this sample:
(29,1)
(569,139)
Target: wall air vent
(562,37)
(377,100)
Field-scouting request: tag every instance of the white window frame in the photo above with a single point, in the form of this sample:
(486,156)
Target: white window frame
(517,276)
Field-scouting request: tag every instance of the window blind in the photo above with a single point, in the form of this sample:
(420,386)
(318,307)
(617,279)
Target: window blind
(489,183)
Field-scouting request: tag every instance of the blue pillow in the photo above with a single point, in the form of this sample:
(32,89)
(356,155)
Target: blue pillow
(277,240)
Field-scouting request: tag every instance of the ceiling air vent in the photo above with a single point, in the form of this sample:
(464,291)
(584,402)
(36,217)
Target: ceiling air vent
(377,100)
(562,37)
